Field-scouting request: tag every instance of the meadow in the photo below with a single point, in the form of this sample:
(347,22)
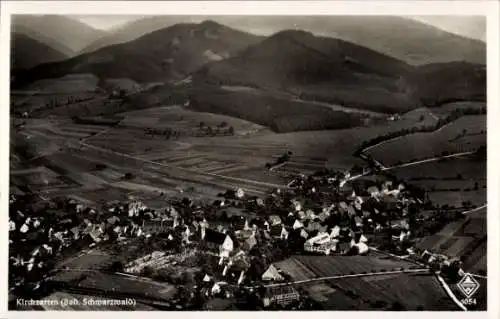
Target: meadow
(463,135)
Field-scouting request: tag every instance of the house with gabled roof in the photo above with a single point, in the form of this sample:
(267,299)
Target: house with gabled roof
(358,221)
(343,206)
(75,232)
(297,224)
(249,243)
(323,216)
(274,220)
(310,214)
(96,234)
(304,234)
(12,225)
(351,211)
(297,206)
(313,225)
(272,274)
(278,231)
(218,242)
(335,233)
(373,191)
(113,220)
(240,223)
(321,243)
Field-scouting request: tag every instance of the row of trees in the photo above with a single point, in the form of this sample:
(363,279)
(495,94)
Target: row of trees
(223,128)
(280,160)
(167,133)
(52,103)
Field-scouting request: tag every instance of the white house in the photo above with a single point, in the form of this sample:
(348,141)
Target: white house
(272,274)
(274,220)
(12,225)
(24,228)
(304,234)
(297,205)
(297,224)
(218,242)
(321,243)
(240,193)
(335,232)
(373,191)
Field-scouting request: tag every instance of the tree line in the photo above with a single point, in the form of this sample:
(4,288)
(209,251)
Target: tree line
(52,103)
(222,128)
(167,133)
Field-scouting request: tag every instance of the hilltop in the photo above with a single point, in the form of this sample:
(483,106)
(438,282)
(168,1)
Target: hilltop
(405,39)
(161,56)
(330,70)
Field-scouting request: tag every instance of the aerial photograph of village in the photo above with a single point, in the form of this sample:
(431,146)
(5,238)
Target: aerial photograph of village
(179,163)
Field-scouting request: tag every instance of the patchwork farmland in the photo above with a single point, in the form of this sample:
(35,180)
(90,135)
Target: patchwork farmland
(392,291)
(366,291)
(310,267)
(463,135)
(96,157)
(450,181)
(465,238)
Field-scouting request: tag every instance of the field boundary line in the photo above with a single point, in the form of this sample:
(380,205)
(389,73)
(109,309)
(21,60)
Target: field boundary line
(427,160)
(475,209)
(184,169)
(440,279)
(344,276)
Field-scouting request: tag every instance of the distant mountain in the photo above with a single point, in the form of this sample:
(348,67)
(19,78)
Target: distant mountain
(134,30)
(318,68)
(402,38)
(20,29)
(283,80)
(161,56)
(27,52)
(56,31)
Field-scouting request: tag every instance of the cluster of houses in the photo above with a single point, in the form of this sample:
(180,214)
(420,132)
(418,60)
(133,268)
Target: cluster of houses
(328,214)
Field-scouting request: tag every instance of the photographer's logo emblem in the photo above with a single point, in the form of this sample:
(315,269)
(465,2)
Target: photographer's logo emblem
(468,285)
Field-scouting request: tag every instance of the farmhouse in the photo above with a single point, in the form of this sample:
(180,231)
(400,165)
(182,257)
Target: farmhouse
(281,295)
(297,205)
(12,225)
(272,274)
(158,225)
(335,232)
(218,242)
(278,231)
(249,243)
(312,226)
(240,223)
(298,224)
(304,234)
(274,220)
(373,191)
(113,220)
(321,243)
(343,206)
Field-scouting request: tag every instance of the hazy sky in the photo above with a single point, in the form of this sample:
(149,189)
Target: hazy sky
(469,26)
